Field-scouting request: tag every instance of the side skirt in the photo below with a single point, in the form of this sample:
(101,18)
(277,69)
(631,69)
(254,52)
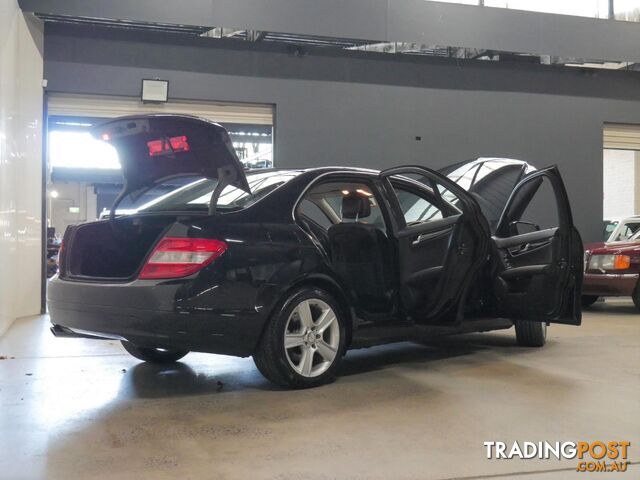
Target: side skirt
(372,335)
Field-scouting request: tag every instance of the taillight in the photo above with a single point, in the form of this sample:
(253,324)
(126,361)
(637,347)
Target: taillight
(177,257)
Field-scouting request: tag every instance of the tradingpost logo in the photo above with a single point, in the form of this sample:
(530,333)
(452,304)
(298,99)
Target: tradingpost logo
(591,456)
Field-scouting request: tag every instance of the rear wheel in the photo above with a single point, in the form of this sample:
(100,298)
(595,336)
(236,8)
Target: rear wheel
(154,355)
(588,300)
(531,334)
(303,342)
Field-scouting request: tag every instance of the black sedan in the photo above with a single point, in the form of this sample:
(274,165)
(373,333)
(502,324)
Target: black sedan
(294,267)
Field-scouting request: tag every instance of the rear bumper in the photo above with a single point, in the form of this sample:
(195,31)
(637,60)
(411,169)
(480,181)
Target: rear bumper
(615,285)
(149,313)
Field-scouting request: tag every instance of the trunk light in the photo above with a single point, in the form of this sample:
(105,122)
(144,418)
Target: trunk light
(165,146)
(177,257)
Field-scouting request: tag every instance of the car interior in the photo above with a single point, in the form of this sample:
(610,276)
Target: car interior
(346,219)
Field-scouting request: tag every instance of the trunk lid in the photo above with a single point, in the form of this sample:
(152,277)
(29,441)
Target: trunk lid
(154,148)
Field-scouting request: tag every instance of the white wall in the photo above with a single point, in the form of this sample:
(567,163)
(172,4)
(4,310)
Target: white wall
(621,195)
(21,40)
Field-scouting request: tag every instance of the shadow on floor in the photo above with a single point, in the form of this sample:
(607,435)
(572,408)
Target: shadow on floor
(420,353)
(615,307)
(146,380)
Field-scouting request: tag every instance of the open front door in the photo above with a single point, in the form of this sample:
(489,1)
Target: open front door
(442,241)
(538,271)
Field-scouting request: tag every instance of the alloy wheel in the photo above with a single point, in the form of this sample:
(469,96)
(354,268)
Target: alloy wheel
(311,337)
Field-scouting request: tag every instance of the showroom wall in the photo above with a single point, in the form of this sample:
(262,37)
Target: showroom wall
(372,110)
(621,171)
(21,39)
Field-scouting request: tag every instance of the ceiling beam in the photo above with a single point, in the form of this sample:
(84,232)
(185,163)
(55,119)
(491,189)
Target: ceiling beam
(413,21)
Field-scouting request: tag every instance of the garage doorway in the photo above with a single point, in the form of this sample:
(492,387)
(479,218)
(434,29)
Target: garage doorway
(83,174)
(621,179)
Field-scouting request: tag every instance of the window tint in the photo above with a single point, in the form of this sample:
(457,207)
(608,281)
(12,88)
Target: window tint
(416,208)
(311,211)
(323,204)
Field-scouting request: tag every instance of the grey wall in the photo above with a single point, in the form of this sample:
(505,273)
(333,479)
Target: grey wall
(368,109)
(433,23)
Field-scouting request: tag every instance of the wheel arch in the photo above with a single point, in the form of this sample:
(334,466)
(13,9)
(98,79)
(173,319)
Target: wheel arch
(322,282)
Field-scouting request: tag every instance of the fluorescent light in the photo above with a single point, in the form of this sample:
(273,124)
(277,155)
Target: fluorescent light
(154,90)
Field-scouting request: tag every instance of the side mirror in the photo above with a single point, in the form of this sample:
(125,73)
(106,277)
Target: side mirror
(520,227)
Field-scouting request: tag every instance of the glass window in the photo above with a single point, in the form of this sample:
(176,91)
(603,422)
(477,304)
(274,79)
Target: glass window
(196,195)
(608,230)
(416,208)
(323,204)
(311,211)
(541,211)
(627,231)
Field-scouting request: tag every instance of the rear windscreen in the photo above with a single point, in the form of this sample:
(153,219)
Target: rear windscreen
(197,195)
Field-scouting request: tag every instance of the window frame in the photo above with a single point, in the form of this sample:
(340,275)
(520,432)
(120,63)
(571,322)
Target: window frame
(370,180)
(421,190)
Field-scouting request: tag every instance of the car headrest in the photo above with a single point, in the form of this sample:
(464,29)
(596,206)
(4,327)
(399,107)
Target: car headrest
(355,206)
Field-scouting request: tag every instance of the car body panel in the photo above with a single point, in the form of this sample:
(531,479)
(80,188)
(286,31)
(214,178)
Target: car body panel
(270,252)
(224,308)
(605,283)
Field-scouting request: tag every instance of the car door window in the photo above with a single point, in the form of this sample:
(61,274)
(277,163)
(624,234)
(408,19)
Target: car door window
(534,207)
(312,211)
(323,204)
(416,208)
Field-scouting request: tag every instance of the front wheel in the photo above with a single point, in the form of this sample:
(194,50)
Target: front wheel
(636,296)
(531,334)
(588,300)
(154,355)
(303,341)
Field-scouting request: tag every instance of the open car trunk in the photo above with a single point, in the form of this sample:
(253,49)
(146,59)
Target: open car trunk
(111,250)
(151,149)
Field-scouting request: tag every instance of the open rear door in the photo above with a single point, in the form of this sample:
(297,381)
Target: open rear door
(442,239)
(538,271)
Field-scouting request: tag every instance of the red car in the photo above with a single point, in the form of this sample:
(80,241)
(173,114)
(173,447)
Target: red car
(612,270)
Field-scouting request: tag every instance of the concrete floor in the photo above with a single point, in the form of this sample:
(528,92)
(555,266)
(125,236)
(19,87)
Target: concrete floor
(85,409)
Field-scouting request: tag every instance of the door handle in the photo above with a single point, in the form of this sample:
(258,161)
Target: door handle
(430,236)
(521,249)
(420,238)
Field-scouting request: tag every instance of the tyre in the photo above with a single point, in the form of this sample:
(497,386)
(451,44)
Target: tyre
(588,300)
(303,341)
(154,355)
(531,334)
(636,296)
